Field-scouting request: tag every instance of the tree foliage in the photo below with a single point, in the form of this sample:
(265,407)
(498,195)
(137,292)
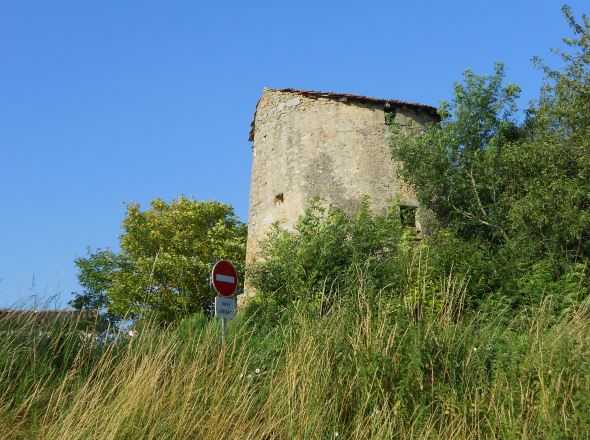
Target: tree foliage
(330,256)
(324,253)
(456,166)
(521,188)
(166,256)
(95,276)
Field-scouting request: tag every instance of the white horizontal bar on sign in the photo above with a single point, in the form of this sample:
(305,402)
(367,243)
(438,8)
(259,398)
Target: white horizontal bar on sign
(225,278)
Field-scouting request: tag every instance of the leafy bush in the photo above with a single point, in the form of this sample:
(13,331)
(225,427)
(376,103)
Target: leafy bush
(519,193)
(323,254)
(329,253)
(165,261)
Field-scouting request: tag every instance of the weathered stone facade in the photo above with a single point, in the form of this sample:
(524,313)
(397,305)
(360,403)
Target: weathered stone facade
(333,146)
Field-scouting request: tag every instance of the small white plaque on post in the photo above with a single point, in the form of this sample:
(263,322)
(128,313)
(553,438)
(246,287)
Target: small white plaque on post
(225,307)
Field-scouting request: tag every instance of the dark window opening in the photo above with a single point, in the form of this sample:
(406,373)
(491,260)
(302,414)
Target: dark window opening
(408,215)
(279,198)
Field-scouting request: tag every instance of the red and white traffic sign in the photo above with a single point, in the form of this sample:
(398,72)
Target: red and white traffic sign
(224,278)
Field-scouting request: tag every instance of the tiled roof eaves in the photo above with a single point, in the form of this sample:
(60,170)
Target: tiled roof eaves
(346,97)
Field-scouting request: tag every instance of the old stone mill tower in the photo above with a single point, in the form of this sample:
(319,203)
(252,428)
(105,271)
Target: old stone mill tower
(331,145)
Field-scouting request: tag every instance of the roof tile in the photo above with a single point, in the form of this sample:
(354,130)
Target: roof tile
(355,98)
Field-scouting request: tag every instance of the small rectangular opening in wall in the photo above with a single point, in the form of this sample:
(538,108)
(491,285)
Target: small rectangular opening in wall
(279,198)
(408,215)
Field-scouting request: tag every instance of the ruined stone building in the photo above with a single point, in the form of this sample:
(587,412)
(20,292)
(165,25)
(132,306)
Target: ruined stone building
(331,145)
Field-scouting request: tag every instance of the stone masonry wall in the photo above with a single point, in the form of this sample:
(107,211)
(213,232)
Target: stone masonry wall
(314,146)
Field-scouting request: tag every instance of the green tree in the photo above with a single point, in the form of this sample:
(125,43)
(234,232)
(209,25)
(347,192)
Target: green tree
(456,165)
(550,174)
(166,257)
(522,190)
(95,276)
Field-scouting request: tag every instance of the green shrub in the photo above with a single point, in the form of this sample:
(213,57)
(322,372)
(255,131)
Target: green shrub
(329,255)
(320,257)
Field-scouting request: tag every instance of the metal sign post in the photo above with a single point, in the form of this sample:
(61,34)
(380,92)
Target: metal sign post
(223,330)
(224,279)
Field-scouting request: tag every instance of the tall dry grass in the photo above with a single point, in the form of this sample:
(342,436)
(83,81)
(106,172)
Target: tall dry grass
(366,369)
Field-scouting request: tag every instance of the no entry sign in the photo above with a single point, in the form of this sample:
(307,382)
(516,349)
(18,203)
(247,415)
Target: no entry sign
(224,278)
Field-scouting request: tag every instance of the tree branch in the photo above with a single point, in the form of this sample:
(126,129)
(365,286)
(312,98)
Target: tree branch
(470,216)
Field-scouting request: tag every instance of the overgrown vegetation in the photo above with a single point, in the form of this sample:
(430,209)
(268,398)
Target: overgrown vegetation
(162,271)
(360,329)
(507,202)
(519,191)
(365,369)
(322,260)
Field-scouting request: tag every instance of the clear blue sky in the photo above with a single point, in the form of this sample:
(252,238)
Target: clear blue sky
(103,103)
